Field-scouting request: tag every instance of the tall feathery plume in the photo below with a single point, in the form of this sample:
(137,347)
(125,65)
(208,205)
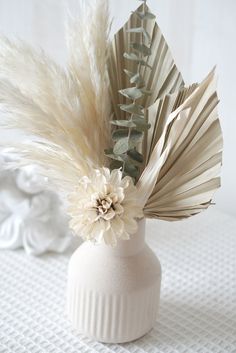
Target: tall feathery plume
(87,40)
(65,114)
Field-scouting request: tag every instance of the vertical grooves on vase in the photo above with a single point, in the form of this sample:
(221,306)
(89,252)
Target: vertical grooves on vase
(124,323)
(86,302)
(106,309)
(107,317)
(94,309)
(81,306)
(137,317)
(117,303)
(119,326)
(113,310)
(99,299)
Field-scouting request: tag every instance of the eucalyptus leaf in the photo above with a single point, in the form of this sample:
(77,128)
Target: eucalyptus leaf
(149,16)
(125,123)
(141,116)
(118,134)
(116,157)
(143,127)
(121,146)
(141,48)
(132,161)
(137,79)
(145,15)
(134,57)
(132,109)
(135,155)
(140,30)
(131,170)
(116,164)
(131,93)
(146,91)
(129,73)
(135,136)
(108,151)
(141,123)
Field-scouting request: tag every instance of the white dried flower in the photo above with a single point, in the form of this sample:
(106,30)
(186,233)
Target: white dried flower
(104,207)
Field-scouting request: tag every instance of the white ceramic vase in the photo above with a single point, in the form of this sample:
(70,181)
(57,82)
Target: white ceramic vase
(113,294)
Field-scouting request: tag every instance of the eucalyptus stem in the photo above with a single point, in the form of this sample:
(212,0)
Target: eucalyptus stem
(131,132)
(144,144)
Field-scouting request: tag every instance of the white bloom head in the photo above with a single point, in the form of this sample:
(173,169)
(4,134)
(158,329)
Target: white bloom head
(104,207)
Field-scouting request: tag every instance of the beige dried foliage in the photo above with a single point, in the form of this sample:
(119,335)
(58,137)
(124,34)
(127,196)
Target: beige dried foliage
(185,182)
(66,114)
(163,78)
(67,111)
(88,42)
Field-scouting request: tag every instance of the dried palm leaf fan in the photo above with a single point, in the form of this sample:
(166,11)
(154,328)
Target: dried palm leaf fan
(162,140)
(182,150)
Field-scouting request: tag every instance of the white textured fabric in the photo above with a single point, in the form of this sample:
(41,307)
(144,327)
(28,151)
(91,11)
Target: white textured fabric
(31,216)
(198,298)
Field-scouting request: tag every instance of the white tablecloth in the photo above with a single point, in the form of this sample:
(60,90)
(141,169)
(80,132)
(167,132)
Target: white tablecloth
(198,298)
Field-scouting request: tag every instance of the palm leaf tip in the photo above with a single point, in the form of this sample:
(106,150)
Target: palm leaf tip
(161,79)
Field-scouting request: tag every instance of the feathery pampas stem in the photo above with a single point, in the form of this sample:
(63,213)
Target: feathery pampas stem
(66,112)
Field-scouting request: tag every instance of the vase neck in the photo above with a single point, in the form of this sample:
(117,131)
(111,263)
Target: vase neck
(129,247)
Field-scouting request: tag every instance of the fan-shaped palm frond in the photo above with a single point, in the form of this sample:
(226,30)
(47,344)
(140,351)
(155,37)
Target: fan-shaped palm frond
(184,184)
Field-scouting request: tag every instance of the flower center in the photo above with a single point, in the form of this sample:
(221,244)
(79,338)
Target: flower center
(104,205)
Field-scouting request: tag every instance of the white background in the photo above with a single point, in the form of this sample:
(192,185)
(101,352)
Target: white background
(201,33)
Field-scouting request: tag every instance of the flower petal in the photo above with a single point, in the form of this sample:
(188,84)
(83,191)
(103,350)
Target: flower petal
(104,206)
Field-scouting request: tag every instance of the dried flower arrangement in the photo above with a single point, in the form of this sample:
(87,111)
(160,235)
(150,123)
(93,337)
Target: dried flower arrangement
(117,132)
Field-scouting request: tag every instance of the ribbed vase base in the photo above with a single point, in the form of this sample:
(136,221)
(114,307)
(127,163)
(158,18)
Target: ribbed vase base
(113,318)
